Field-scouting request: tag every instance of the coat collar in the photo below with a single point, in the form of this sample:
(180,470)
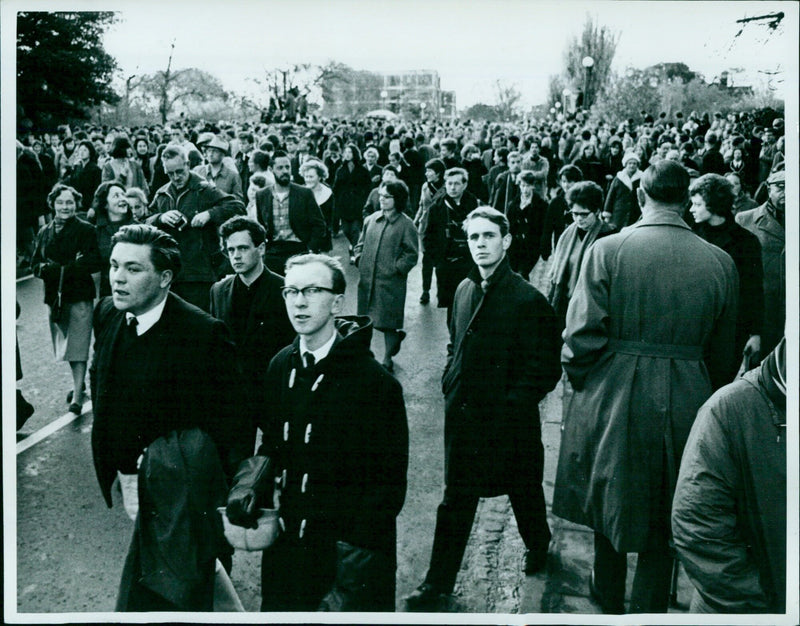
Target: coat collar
(660,217)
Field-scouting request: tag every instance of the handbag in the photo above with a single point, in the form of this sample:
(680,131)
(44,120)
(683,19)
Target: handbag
(57,309)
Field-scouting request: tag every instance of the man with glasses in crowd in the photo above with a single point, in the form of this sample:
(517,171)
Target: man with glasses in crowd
(190,209)
(336,443)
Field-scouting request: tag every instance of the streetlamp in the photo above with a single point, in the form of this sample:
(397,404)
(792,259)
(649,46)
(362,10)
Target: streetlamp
(588,63)
(384,95)
(567,93)
(422,106)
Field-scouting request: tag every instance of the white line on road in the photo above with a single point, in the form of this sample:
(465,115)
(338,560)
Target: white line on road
(21,278)
(52,427)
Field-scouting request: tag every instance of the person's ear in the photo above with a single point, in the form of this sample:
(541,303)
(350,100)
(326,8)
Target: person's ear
(338,304)
(166,279)
(507,241)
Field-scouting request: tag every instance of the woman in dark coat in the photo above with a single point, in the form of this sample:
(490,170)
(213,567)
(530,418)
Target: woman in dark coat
(350,190)
(110,212)
(557,217)
(65,257)
(622,208)
(123,169)
(590,164)
(159,176)
(314,172)
(526,219)
(141,153)
(385,253)
(85,176)
(712,202)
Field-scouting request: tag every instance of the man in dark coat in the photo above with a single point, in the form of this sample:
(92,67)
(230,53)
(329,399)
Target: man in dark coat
(505,187)
(158,365)
(291,216)
(336,438)
(502,360)
(190,209)
(250,304)
(444,239)
(713,162)
(649,335)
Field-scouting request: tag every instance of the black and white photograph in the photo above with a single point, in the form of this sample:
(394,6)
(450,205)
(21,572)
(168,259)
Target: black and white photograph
(422,311)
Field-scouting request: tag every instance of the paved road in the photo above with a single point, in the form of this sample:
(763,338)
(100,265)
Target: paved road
(70,547)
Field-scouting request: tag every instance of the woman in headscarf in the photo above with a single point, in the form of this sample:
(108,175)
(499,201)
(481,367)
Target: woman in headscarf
(121,168)
(622,207)
(110,212)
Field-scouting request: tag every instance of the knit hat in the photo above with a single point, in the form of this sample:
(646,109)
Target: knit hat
(630,155)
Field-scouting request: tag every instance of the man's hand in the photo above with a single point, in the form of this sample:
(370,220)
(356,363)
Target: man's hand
(172,218)
(252,487)
(201,219)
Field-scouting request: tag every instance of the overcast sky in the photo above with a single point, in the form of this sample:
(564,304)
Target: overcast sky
(471,43)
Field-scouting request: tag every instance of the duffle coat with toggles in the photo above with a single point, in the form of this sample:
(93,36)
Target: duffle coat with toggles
(338,436)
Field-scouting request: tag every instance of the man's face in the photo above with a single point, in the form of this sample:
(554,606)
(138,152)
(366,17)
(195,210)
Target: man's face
(136,285)
(138,208)
(455,186)
(291,146)
(246,145)
(535,150)
(282,169)
(777,195)
(498,141)
(310,314)
(214,155)
(486,245)
(736,184)
(371,158)
(515,163)
(99,145)
(176,136)
(177,170)
(242,253)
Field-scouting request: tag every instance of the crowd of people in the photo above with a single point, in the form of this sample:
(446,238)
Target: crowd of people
(665,250)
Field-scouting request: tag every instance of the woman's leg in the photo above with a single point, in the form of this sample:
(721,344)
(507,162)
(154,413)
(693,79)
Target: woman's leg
(78,377)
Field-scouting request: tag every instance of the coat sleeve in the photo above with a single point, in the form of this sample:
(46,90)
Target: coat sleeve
(586,333)
(721,361)
(381,491)
(409,248)
(538,340)
(221,206)
(704,521)
(434,238)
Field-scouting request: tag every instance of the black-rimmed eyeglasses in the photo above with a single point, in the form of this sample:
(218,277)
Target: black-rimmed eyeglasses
(312,291)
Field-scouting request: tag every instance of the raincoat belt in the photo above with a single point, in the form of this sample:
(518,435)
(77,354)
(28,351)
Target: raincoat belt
(656,350)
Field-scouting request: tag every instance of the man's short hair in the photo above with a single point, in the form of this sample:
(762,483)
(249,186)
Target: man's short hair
(491,214)
(332,263)
(390,168)
(240,223)
(514,153)
(666,182)
(571,172)
(586,193)
(457,171)
(449,143)
(280,154)
(717,192)
(246,137)
(174,152)
(371,150)
(164,251)
(261,159)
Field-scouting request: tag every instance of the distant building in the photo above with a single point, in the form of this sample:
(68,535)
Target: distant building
(414,93)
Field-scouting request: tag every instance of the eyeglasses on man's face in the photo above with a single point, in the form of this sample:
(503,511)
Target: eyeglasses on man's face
(312,291)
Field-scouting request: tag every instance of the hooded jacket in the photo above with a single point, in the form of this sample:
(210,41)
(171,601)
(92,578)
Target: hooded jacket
(338,435)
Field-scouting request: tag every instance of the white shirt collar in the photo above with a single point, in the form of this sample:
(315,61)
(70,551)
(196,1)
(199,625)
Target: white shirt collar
(147,320)
(321,352)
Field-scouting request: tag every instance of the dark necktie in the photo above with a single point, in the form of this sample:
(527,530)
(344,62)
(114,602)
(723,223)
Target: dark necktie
(309,358)
(132,324)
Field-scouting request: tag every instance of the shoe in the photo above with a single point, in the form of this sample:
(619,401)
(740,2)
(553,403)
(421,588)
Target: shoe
(425,297)
(401,334)
(352,260)
(608,608)
(76,408)
(535,562)
(424,599)
(389,365)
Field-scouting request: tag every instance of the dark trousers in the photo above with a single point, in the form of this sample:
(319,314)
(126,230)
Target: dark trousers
(296,575)
(427,272)
(352,230)
(651,583)
(454,519)
(278,252)
(194,292)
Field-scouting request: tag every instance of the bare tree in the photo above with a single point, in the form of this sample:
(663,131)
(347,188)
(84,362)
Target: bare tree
(508,97)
